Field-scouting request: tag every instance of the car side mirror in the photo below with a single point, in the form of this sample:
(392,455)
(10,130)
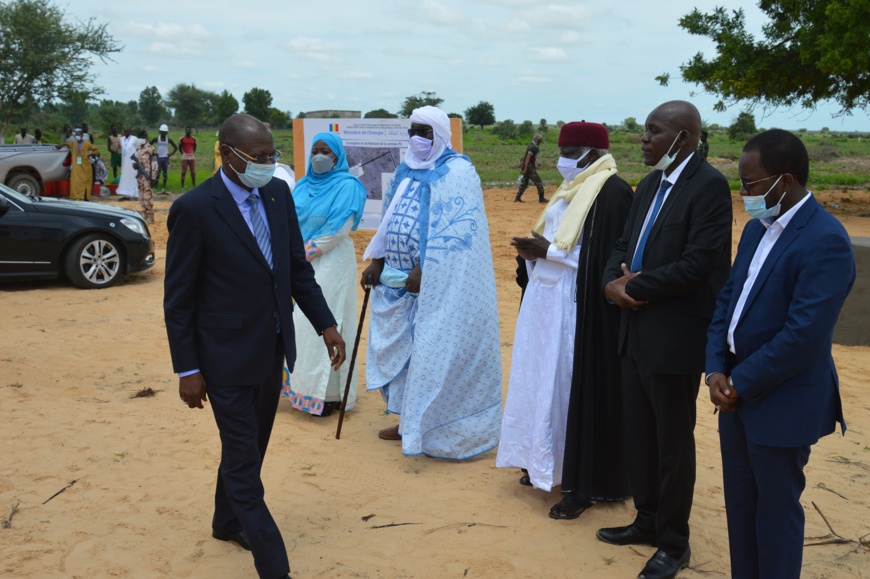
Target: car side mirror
(4,206)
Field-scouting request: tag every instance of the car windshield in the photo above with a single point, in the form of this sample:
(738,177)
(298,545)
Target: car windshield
(15,195)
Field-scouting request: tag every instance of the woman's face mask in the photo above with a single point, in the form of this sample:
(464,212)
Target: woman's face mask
(321,163)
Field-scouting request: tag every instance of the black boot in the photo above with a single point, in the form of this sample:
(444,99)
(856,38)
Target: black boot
(518,198)
(542,200)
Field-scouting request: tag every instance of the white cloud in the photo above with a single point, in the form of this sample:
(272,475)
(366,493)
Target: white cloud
(549,54)
(165,31)
(150,68)
(570,37)
(315,48)
(436,13)
(184,48)
(245,64)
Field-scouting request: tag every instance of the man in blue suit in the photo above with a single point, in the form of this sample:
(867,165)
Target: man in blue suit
(769,365)
(234,260)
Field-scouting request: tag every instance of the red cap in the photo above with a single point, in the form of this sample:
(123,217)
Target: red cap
(584,134)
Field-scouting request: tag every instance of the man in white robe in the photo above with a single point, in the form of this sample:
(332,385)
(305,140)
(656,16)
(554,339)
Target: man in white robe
(127,185)
(433,347)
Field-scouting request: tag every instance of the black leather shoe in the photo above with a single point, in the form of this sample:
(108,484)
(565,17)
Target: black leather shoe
(629,535)
(663,566)
(241,539)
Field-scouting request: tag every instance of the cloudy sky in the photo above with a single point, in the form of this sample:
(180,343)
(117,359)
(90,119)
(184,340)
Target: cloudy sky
(555,60)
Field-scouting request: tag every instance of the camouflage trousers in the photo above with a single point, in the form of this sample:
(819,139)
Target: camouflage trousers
(146,194)
(531,175)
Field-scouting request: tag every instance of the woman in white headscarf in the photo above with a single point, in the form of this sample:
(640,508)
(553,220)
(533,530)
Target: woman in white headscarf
(433,347)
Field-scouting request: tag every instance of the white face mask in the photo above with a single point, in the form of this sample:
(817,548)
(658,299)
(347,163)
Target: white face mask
(421,147)
(756,206)
(140,142)
(568,167)
(668,159)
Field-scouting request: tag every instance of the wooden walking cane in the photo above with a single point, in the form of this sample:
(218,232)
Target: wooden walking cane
(362,317)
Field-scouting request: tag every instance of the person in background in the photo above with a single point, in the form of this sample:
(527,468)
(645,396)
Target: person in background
(146,176)
(86,134)
(703,146)
(530,171)
(575,364)
(769,364)
(433,347)
(162,143)
(329,204)
(187,144)
(127,185)
(217,151)
(81,180)
(37,135)
(114,144)
(66,133)
(22,138)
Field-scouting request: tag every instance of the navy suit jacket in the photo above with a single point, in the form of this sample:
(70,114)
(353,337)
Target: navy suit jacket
(222,301)
(685,264)
(783,369)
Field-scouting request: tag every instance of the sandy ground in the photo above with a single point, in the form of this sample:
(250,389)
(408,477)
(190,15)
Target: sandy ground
(143,468)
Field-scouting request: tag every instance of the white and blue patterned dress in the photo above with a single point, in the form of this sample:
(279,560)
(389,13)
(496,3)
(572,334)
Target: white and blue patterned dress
(436,354)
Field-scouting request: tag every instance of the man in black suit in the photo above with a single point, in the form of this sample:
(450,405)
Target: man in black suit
(234,259)
(665,272)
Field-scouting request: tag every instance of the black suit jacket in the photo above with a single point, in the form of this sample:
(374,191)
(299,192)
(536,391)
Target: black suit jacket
(222,301)
(685,263)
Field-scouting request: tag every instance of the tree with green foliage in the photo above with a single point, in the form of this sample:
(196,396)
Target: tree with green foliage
(279,119)
(481,114)
(543,127)
(419,100)
(45,57)
(151,108)
(117,113)
(379,114)
(526,128)
(76,106)
(454,116)
(192,105)
(812,50)
(225,106)
(743,127)
(258,102)
(630,124)
(506,129)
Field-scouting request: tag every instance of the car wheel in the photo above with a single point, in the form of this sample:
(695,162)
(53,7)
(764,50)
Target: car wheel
(94,261)
(25,184)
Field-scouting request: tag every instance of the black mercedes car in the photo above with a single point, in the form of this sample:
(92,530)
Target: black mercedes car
(92,244)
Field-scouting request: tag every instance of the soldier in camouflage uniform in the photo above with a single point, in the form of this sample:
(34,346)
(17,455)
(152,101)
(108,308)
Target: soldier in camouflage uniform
(530,171)
(145,164)
(703,146)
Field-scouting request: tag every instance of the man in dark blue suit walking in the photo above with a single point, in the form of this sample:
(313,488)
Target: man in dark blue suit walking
(769,364)
(234,260)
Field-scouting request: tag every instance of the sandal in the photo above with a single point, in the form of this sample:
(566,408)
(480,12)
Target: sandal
(525,480)
(569,507)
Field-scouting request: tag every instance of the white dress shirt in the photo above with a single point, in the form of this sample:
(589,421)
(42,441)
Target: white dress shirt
(771,236)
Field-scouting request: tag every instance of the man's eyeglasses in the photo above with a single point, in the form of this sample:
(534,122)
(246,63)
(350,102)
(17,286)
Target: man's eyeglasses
(747,184)
(259,159)
(427,133)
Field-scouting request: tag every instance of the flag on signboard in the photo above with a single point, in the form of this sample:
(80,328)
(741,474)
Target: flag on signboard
(333,127)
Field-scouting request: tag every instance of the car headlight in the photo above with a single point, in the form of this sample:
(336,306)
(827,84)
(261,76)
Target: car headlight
(135,225)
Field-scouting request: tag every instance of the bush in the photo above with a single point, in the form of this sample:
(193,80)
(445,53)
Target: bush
(506,129)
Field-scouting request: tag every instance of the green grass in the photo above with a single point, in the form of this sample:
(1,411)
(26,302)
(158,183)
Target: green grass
(836,161)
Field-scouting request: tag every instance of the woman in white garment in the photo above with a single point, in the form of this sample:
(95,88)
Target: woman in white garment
(329,203)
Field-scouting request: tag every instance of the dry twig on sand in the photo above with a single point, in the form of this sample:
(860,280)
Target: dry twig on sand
(145,393)
(393,525)
(71,483)
(825,487)
(430,531)
(6,522)
(833,538)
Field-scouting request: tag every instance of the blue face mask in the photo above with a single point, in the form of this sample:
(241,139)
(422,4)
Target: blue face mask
(756,205)
(256,175)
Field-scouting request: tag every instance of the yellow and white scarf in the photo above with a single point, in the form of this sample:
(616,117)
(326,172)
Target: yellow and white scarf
(580,195)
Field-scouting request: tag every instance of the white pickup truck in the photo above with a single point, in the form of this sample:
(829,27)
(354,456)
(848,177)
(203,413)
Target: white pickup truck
(27,168)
